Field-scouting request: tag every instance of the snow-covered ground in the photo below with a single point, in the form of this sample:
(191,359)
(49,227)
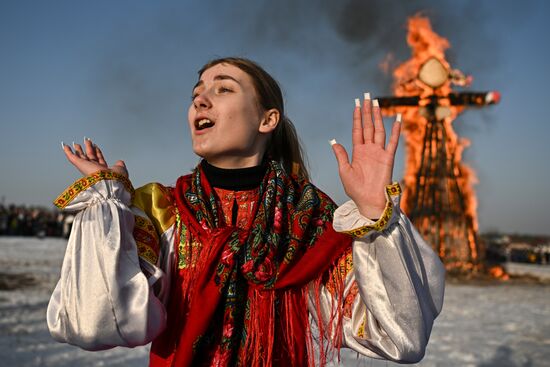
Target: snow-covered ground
(540,271)
(497,325)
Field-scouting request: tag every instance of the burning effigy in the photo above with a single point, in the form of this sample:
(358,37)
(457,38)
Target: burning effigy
(438,197)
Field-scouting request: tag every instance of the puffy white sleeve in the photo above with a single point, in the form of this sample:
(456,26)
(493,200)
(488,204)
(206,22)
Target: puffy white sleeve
(105,295)
(394,284)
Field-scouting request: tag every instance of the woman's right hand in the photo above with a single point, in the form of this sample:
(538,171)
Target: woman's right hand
(92,160)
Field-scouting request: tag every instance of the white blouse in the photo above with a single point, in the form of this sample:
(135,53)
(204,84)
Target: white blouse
(108,296)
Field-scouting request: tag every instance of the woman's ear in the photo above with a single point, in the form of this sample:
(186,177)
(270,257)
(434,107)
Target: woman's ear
(270,120)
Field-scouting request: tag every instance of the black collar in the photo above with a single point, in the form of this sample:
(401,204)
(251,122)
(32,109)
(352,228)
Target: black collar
(237,179)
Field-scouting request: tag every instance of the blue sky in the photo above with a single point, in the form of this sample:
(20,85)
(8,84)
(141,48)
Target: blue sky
(121,72)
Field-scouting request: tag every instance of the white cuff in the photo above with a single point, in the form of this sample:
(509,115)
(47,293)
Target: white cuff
(348,219)
(99,186)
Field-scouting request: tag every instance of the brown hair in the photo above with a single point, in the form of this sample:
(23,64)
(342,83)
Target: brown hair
(284,145)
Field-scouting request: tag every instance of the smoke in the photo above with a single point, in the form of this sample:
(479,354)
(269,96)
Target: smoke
(144,73)
(352,35)
(358,35)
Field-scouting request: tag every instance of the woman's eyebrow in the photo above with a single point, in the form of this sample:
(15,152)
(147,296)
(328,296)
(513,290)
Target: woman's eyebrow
(218,77)
(225,77)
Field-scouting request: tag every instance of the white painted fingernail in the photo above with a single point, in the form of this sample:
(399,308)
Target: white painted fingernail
(398,117)
(62,145)
(375,103)
(73,145)
(357,102)
(367,96)
(332,142)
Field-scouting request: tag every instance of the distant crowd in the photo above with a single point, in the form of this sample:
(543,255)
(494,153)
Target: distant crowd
(20,220)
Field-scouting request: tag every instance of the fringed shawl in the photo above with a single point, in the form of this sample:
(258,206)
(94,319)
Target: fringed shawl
(245,292)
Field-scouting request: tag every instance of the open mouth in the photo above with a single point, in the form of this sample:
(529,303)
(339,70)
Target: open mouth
(203,124)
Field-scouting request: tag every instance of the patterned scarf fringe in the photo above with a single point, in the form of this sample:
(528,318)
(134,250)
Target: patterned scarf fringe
(265,338)
(330,330)
(259,347)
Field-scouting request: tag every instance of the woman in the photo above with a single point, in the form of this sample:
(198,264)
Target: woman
(233,264)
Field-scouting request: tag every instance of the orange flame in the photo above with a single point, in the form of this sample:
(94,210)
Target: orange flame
(498,272)
(425,44)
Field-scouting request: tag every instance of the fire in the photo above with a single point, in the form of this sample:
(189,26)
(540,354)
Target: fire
(498,272)
(439,195)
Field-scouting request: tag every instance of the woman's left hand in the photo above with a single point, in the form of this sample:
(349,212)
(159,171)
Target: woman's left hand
(370,170)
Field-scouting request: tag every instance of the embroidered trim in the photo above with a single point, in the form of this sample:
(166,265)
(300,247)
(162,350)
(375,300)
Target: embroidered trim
(86,182)
(361,329)
(392,191)
(146,240)
(182,256)
(189,249)
(350,299)
(340,271)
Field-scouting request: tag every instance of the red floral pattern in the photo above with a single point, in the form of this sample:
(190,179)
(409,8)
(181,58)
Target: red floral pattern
(246,202)
(226,308)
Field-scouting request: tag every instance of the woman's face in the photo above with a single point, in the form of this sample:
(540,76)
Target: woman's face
(228,126)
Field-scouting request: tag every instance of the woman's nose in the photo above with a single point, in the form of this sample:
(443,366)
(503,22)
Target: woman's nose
(202,101)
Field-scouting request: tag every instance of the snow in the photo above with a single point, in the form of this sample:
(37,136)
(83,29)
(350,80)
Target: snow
(494,325)
(540,271)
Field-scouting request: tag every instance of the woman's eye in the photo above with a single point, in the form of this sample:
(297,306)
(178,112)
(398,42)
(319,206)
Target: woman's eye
(224,90)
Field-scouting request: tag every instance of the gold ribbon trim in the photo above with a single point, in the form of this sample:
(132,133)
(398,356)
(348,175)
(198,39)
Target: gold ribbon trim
(86,182)
(381,224)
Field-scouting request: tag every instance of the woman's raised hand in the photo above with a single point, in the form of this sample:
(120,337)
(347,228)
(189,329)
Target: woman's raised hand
(92,160)
(370,170)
